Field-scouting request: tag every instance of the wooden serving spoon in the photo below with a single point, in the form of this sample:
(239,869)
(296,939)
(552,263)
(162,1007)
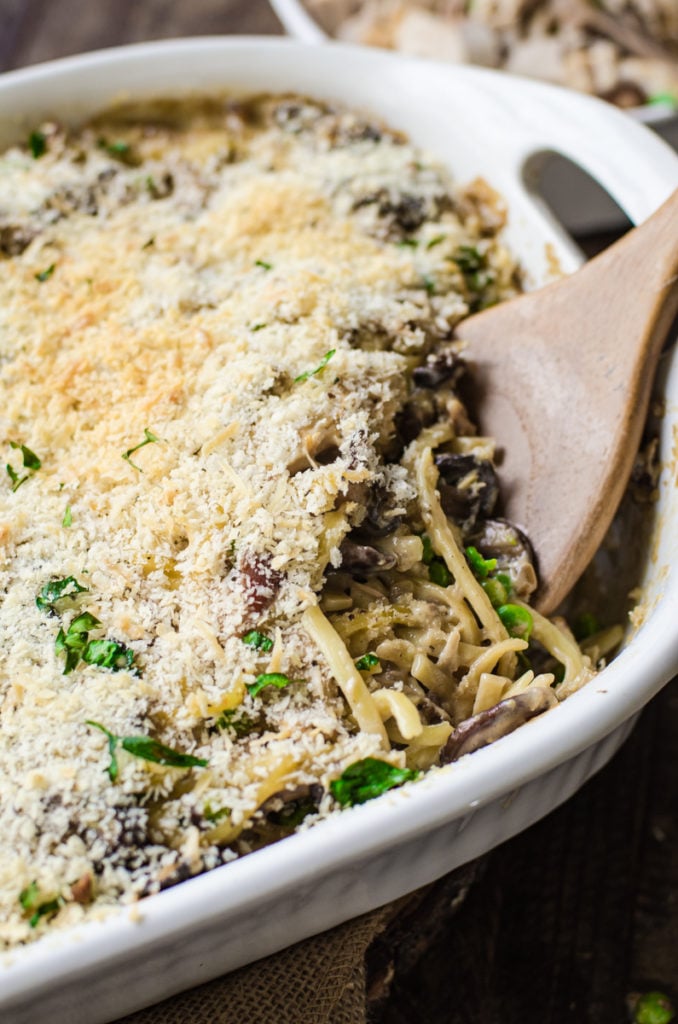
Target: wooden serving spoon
(562,379)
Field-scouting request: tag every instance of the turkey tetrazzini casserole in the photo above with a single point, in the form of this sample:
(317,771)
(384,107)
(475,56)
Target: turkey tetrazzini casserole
(252,567)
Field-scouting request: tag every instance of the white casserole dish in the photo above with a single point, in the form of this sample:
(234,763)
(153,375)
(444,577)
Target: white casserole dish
(480,123)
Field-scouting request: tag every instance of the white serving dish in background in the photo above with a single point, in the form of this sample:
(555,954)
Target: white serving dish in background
(583,207)
(478,122)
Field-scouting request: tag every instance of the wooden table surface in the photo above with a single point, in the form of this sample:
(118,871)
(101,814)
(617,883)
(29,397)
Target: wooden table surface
(580,910)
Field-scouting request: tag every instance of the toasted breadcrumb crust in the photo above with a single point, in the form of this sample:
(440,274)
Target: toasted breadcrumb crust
(183,271)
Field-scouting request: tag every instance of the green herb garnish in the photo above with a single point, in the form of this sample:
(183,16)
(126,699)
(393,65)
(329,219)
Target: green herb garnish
(147,749)
(367,662)
(120,150)
(468,259)
(278,679)
(429,284)
(73,642)
(408,243)
(68,517)
(149,243)
(368,779)
(439,573)
(215,816)
(242,725)
(258,327)
(31,462)
(258,640)
(436,241)
(58,590)
(44,275)
(77,646)
(321,366)
(517,620)
(150,439)
(653,1008)
(37,143)
(111,654)
(263,264)
(482,567)
(29,897)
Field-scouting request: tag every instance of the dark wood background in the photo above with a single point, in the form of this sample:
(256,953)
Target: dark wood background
(569,918)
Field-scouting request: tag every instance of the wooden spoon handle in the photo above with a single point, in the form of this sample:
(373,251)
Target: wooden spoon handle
(637,280)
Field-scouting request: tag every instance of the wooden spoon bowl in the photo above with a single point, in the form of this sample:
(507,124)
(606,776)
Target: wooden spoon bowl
(562,378)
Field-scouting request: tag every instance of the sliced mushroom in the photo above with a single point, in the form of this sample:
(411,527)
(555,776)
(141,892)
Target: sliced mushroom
(444,365)
(81,891)
(419,412)
(381,517)
(259,580)
(491,725)
(14,238)
(468,486)
(497,538)
(289,807)
(363,559)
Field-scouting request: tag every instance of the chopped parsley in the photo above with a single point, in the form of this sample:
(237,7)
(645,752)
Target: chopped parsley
(258,327)
(44,275)
(150,439)
(517,620)
(120,150)
(263,264)
(149,243)
(243,725)
(37,143)
(58,590)
(147,749)
(258,640)
(111,654)
(68,517)
(29,898)
(468,259)
(368,779)
(278,679)
(321,366)
(77,646)
(214,816)
(436,241)
(429,284)
(31,462)
(473,266)
(367,662)
(408,243)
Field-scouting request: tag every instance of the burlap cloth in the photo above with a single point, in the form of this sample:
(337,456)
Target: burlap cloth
(339,977)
